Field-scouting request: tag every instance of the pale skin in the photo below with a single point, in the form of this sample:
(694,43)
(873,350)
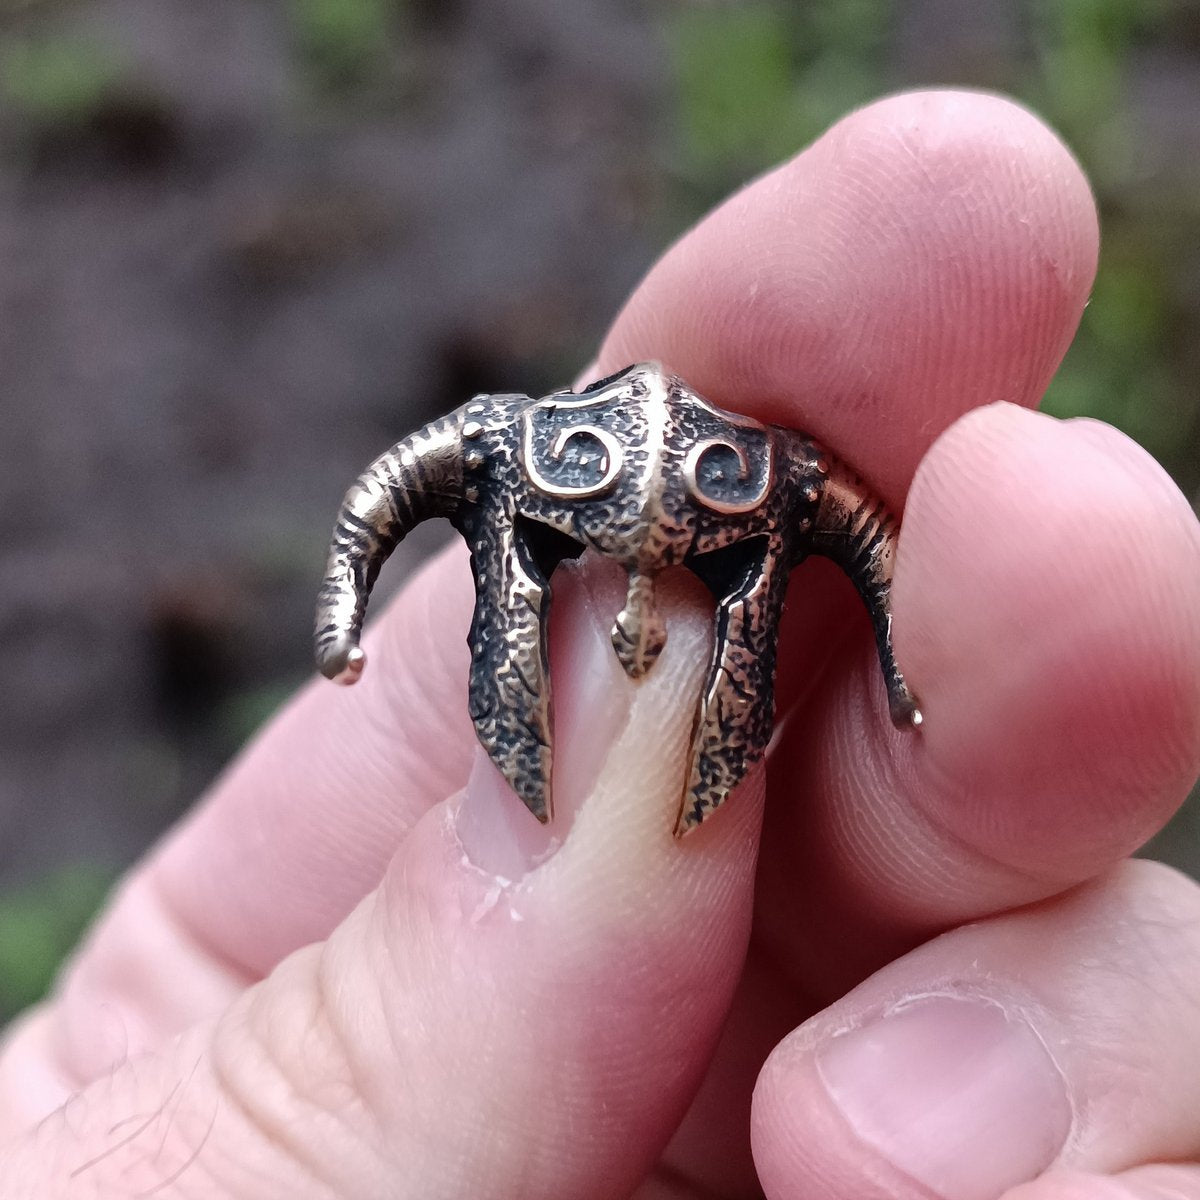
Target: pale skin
(359,969)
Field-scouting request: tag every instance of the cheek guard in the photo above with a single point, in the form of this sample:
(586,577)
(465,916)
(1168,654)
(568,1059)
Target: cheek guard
(640,468)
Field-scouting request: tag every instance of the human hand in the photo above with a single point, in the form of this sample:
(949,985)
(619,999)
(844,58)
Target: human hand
(346,977)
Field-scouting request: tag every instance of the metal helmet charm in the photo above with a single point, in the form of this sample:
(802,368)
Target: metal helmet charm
(641,469)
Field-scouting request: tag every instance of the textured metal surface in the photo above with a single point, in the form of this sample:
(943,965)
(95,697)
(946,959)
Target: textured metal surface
(641,469)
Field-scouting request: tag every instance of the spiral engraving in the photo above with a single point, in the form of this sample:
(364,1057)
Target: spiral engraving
(578,462)
(718,474)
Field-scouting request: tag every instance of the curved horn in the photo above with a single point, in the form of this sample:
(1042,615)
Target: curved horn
(855,529)
(418,478)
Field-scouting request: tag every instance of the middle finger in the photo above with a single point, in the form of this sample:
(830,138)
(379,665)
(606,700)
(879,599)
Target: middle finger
(1047,607)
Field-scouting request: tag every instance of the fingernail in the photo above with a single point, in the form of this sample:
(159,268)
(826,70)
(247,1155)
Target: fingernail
(955,1092)
(591,701)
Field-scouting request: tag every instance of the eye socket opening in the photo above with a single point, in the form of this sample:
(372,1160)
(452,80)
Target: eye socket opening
(546,546)
(729,569)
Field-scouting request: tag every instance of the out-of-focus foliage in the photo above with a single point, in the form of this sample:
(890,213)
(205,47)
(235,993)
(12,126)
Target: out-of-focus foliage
(758,80)
(38,925)
(1125,366)
(57,82)
(341,40)
(1119,369)
(245,713)
(64,94)
(1081,49)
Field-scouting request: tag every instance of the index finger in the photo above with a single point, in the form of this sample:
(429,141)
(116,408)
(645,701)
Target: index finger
(931,253)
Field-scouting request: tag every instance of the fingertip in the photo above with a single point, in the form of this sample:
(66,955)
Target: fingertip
(799,1145)
(802,1145)
(988,1058)
(1048,609)
(966,144)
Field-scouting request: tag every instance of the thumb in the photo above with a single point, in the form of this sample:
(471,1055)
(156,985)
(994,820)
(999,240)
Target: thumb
(515,1011)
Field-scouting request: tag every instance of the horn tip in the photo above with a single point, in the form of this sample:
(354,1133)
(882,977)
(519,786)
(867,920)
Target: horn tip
(346,668)
(906,714)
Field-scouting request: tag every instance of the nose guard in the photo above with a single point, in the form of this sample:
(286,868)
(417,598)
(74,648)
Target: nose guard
(639,632)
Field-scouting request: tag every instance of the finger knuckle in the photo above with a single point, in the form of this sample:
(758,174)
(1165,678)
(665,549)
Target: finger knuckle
(285,1069)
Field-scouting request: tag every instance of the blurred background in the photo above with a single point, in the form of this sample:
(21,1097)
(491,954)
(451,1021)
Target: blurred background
(245,244)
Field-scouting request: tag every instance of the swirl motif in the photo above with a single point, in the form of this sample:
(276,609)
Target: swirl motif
(586,461)
(717,472)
